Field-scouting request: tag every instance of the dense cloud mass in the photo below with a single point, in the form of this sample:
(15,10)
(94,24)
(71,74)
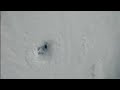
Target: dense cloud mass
(60,45)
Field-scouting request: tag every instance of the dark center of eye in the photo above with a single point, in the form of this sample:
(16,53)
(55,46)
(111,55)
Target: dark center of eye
(45,46)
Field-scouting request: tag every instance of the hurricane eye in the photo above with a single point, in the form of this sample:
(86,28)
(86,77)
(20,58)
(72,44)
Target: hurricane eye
(43,48)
